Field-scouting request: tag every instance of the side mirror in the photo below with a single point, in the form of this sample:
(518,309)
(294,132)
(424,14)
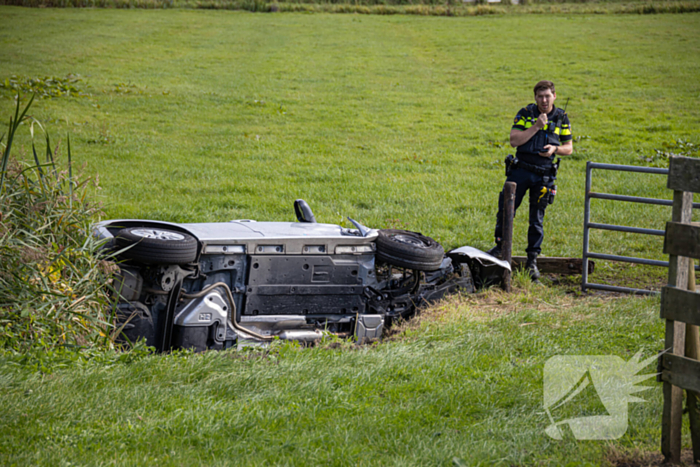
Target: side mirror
(303,211)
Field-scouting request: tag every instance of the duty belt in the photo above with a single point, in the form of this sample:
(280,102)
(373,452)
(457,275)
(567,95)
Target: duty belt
(536,169)
(544,171)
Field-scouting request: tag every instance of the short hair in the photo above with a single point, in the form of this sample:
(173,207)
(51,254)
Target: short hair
(543,85)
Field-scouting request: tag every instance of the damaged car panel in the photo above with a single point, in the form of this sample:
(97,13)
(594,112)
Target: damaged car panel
(213,285)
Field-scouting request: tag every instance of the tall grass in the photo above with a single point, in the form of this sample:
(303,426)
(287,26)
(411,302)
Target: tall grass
(52,283)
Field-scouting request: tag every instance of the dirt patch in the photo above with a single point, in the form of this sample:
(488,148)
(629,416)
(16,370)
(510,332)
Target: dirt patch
(648,459)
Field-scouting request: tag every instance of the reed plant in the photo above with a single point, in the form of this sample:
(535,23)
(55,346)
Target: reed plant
(53,284)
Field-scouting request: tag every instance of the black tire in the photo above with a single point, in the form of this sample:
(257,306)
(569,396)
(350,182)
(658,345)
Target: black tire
(156,246)
(409,250)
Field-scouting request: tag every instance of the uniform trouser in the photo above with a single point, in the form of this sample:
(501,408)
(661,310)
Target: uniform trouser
(539,200)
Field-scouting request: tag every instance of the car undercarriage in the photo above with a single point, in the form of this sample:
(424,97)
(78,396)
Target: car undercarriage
(222,285)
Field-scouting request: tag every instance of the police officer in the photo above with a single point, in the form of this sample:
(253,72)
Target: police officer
(541,131)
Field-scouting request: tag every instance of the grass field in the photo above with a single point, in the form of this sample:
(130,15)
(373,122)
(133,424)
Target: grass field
(462,388)
(397,122)
(202,116)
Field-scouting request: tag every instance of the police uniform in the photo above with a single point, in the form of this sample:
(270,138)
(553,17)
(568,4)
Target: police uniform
(533,172)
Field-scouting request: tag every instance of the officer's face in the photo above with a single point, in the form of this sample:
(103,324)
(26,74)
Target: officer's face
(545,100)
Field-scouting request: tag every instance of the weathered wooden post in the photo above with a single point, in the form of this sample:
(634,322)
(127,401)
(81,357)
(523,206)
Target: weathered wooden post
(692,348)
(679,307)
(507,241)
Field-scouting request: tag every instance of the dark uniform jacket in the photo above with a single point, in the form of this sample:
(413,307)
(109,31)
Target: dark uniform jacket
(557,132)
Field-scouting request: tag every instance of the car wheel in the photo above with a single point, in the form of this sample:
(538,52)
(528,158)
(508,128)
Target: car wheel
(409,250)
(156,246)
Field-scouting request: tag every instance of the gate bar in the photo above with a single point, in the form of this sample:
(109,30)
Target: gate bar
(629,259)
(622,228)
(636,199)
(627,168)
(615,288)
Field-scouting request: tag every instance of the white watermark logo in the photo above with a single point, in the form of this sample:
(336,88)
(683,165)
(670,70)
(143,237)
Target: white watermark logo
(596,388)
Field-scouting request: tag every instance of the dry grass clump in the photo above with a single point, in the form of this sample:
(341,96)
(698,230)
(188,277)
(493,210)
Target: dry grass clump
(493,303)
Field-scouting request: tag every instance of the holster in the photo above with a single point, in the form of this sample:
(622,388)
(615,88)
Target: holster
(511,162)
(547,193)
(549,181)
(553,189)
(555,168)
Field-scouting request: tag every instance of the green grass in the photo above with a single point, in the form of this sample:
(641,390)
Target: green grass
(204,116)
(397,121)
(465,384)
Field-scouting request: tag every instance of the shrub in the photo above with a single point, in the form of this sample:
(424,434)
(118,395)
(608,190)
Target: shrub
(52,282)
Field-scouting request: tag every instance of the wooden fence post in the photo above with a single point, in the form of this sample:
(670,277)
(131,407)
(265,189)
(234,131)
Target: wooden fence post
(675,339)
(680,307)
(692,347)
(507,241)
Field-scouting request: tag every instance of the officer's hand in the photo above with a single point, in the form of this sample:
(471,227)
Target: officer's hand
(541,121)
(549,150)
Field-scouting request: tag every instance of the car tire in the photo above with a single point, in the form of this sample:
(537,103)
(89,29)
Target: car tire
(156,246)
(409,250)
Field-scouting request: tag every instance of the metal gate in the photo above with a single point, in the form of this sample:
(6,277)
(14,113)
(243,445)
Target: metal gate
(587,225)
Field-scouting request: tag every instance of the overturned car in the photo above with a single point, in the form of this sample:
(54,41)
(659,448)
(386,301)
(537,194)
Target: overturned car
(219,285)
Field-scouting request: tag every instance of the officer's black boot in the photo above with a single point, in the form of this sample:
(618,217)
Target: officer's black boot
(531,267)
(495,251)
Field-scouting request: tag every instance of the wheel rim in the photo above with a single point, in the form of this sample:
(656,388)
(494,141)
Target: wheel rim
(157,233)
(409,240)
